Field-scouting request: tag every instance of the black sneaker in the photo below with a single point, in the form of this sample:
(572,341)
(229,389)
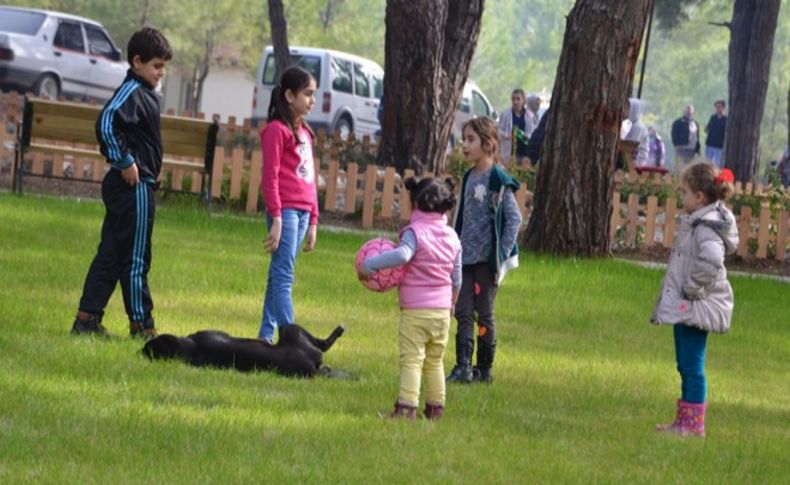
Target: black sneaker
(91,326)
(482,375)
(461,374)
(144,330)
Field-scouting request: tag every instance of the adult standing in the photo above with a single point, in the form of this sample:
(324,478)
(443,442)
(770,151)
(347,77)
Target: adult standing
(716,128)
(685,136)
(655,156)
(513,124)
(638,132)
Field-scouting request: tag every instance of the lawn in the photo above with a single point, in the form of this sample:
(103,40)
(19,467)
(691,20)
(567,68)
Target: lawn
(581,378)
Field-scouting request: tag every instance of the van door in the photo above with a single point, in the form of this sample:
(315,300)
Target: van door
(365,107)
(342,96)
(107,70)
(71,58)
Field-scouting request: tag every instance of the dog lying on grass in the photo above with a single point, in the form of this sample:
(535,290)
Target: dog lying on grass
(297,353)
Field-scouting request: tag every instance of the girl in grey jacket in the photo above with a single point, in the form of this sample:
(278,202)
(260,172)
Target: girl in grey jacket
(696,297)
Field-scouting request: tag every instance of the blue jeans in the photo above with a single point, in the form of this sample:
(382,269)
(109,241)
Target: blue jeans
(690,345)
(278,308)
(714,155)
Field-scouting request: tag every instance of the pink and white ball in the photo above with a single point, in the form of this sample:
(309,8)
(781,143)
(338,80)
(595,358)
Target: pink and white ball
(384,279)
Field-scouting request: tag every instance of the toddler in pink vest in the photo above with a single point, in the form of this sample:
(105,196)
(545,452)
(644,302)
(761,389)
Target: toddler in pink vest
(432,254)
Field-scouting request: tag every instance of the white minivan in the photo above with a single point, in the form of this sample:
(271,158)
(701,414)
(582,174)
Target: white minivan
(349,89)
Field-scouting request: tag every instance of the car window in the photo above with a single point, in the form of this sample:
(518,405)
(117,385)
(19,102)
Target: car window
(20,22)
(311,64)
(378,86)
(480,105)
(69,36)
(464,106)
(341,75)
(362,83)
(98,43)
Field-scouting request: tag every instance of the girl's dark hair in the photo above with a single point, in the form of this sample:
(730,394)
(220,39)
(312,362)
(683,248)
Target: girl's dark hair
(294,79)
(148,43)
(701,177)
(486,129)
(431,194)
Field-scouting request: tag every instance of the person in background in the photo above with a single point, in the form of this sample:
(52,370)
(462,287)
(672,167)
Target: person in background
(716,128)
(655,157)
(685,136)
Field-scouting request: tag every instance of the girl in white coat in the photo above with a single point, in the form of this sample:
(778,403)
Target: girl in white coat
(695,296)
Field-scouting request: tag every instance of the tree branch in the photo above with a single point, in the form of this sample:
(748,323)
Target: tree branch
(721,24)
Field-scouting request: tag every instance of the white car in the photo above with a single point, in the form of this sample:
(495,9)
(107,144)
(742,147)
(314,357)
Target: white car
(52,54)
(349,89)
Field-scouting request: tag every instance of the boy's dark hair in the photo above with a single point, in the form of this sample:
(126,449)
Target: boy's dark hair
(294,79)
(432,194)
(721,102)
(148,43)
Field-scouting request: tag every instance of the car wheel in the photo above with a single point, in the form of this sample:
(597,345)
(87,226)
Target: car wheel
(343,126)
(47,86)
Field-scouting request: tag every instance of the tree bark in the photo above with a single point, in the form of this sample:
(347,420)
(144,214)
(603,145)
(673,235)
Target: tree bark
(282,54)
(573,197)
(428,49)
(751,47)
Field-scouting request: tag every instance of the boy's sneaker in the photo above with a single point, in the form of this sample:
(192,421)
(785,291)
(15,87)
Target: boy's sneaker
(90,326)
(145,330)
(461,374)
(482,375)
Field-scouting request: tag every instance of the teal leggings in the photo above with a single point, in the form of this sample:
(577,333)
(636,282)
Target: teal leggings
(690,345)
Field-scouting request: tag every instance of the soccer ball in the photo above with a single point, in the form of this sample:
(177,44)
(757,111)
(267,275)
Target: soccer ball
(385,279)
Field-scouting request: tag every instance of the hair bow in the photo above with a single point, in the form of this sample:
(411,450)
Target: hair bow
(725,175)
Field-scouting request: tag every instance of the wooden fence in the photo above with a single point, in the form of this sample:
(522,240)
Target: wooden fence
(376,194)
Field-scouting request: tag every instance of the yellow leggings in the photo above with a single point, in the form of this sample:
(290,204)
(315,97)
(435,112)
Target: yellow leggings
(423,337)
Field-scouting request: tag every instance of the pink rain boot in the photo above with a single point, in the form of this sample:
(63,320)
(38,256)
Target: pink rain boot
(433,412)
(690,420)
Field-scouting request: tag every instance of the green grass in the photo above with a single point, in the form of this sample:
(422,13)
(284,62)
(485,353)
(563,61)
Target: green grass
(580,378)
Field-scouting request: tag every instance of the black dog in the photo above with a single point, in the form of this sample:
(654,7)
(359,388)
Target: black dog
(297,353)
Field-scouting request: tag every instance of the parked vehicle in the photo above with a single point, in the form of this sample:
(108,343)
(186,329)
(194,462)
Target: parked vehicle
(52,54)
(473,104)
(349,89)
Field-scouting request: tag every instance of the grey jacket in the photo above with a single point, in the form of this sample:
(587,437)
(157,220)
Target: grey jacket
(695,290)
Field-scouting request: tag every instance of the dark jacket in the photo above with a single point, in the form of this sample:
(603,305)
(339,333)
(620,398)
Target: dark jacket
(536,139)
(716,128)
(501,260)
(680,132)
(128,128)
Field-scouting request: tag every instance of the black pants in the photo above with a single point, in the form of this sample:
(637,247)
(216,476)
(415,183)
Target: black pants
(124,252)
(477,295)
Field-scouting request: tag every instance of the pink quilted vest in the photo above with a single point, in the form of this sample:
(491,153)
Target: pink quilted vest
(428,279)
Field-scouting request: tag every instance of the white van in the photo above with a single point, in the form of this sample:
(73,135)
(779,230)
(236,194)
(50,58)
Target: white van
(473,104)
(349,89)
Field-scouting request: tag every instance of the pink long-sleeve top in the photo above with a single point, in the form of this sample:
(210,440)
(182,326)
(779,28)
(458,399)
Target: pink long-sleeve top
(288,176)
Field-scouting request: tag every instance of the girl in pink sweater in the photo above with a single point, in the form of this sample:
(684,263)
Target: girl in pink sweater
(289,192)
(427,294)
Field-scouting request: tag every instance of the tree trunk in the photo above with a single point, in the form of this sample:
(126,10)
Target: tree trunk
(282,54)
(751,47)
(573,197)
(428,49)
(200,73)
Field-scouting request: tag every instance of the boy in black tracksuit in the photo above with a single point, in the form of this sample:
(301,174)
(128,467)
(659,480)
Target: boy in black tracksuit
(129,136)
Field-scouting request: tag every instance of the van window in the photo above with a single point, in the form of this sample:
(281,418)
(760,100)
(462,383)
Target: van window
(20,22)
(98,43)
(480,105)
(69,36)
(378,86)
(464,106)
(362,83)
(311,64)
(341,76)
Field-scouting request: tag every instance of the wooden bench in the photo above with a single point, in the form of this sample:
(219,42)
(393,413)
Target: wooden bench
(65,128)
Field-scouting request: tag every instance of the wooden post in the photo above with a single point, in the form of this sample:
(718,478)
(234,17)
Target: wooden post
(405,197)
(669,222)
(781,235)
(650,223)
(176,179)
(237,170)
(369,200)
(633,216)
(762,230)
(57,165)
(197,182)
(38,164)
(351,188)
(744,231)
(330,201)
(614,223)
(521,200)
(217,172)
(254,188)
(388,192)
